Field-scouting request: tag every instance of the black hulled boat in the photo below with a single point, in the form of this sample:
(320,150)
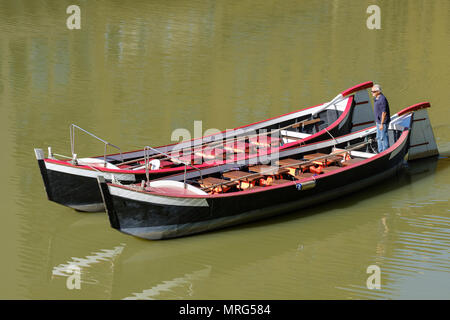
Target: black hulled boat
(72,181)
(235,193)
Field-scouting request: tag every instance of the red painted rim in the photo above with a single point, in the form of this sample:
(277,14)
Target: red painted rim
(415,107)
(358,87)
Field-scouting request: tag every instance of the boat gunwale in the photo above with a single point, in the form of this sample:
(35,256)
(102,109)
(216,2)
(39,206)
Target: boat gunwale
(206,166)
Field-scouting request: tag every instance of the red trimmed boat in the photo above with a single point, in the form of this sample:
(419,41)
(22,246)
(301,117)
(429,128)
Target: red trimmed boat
(72,182)
(231,193)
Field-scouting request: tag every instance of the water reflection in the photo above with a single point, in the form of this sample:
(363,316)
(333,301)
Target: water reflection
(169,286)
(86,262)
(307,259)
(416,248)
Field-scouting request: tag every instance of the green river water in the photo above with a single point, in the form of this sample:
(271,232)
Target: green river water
(137,70)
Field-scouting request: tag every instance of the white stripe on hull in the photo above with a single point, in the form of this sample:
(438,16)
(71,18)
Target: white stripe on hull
(89,173)
(150,198)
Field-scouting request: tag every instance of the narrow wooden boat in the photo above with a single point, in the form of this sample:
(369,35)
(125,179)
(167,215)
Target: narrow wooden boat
(230,194)
(72,182)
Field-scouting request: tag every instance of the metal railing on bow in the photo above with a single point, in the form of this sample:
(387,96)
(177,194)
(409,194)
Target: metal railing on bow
(106,143)
(147,162)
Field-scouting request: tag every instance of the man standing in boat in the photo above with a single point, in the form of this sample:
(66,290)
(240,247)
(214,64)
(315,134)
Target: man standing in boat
(382,117)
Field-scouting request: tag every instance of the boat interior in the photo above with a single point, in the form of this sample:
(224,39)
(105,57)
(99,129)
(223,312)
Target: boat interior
(282,171)
(260,141)
(289,165)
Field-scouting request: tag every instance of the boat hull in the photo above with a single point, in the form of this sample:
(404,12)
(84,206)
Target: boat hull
(76,187)
(164,217)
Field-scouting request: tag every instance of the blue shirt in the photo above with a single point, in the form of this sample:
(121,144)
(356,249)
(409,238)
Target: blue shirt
(381,105)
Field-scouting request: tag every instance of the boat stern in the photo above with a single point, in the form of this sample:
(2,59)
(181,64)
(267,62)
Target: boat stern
(108,203)
(39,153)
(69,185)
(422,141)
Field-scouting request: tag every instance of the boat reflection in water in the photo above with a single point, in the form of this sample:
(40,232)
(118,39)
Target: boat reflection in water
(170,285)
(286,257)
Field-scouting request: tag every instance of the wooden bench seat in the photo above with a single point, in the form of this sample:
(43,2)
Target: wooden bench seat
(330,168)
(243,179)
(289,162)
(232,175)
(216,185)
(268,170)
(211,181)
(339,152)
(306,123)
(279,181)
(303,175)
(314,155)
(293,165)
(328,160)
(351,161)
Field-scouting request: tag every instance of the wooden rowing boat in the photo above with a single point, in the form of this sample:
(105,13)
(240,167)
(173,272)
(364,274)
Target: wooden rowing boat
(72,181)
(231,194)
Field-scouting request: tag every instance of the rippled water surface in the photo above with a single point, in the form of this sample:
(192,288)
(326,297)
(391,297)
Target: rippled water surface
(137,70)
